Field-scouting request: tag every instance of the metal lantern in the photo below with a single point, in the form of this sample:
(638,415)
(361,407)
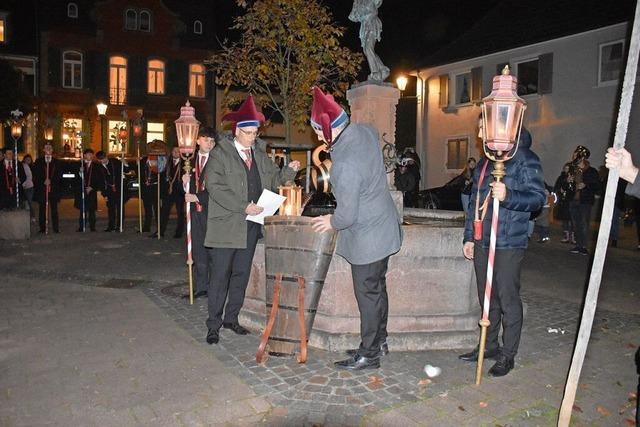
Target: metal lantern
(293,204)
(122,137)
(48,133)
(187,129)
(502,113)
(102,108)
(137,128)
(16,130)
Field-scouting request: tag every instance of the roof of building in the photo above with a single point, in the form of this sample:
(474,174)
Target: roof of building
(516,23)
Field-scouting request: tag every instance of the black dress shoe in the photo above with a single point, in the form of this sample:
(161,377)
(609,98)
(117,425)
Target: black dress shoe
(196,295)
(213,337)
(472,356)
(235,327)
(357,363)
(501,367)
(384,350)
(109,230)
(155,235)
(177,236)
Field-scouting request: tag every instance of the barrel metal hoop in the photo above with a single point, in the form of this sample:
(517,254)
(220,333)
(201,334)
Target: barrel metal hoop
(288,307)
(294,279)
(282,248)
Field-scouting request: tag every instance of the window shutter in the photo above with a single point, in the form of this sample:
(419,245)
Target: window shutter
(476,84)
(87,68)
(500,66)
(545,73)
(55,67)
(136,80)
(99,81)
(444,91)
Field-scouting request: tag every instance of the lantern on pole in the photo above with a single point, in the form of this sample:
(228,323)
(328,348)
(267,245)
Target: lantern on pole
(48,133)
(16,133)
(137,133)
(187,127)
(293,203)
(502,114)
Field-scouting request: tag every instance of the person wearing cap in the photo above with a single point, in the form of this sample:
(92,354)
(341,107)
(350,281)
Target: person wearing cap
(93,182)
(196,193)
(366,219)
(47,176)
(586,180)
(111,168)
(237,172)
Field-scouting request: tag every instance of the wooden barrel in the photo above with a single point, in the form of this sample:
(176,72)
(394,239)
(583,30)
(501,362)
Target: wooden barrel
(295,250)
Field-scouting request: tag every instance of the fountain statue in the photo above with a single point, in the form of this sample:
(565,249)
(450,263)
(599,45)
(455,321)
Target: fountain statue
(366,12)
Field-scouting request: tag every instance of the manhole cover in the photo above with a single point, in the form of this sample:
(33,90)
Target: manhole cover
(176,290)
(121,283)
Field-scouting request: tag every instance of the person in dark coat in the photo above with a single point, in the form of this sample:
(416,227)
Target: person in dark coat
(196,193)
(565,191)
(237,173)
(8,191)
(111,169)
(93,182)
(47,177)
(405,182)
(520,193)
(366,219)
(149,192)
(587,185)
(174,194)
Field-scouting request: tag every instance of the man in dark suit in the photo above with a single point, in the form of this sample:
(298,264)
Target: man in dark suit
(93,182)
(47,180)
(8,180)
(236,174)
(111,172)
(174,194)
(149,184)
(196,193)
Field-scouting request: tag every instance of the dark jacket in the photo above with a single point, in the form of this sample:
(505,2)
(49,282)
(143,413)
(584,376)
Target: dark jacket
(198,186)
(111,173)
(172,187)
(93,178)
(525,194)
(591,180)
(633,188)
(39,169)
(7,179)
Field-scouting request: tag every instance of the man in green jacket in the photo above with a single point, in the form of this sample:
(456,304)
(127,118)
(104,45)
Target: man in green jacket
(237,173)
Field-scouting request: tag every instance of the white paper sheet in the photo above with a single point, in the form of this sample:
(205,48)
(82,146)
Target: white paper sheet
(270,201)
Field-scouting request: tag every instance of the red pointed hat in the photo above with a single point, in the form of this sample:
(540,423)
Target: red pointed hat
(246,115)
(326,114)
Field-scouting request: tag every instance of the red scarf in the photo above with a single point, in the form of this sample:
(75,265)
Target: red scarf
(88,170)
(10,179)
(199,169)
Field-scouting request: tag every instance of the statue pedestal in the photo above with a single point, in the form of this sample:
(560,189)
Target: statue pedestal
(375,105)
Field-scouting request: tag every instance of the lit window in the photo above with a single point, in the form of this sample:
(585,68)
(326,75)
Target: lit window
(197,27)
(114,142)
(463,88)
(130,20)
(72,70)
(155,131)
(118,80)
(611,59)
(528,77)
(196,80)
(71,137)
(72,10)
(457,153)
(145,21)
(155,76)
(3,24)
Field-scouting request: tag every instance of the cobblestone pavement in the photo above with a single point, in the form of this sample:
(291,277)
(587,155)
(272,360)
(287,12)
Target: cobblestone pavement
(282,391)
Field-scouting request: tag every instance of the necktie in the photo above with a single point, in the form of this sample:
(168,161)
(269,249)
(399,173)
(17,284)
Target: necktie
(202,162)
(201,169)
(247,160)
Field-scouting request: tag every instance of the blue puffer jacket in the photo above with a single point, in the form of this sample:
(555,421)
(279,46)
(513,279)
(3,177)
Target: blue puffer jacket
(525,194)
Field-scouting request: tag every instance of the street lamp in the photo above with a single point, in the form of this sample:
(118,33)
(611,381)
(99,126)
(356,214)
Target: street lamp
(137,133)
(502,114)
(102,111)
(401,82)
(48,133)
(187,131)
(123,135)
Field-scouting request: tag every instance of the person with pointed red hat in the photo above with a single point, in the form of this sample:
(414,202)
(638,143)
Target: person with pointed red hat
(366,218)
(236,174)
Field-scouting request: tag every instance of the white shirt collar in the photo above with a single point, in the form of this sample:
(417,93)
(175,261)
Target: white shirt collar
(205,155)
(240,148)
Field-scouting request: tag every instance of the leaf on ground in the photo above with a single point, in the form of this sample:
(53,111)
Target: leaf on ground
(633,396)
(631,345)
(618,383)
(375,380)
(461,408)
(629,422)
(483,404)
(425,381)
(603,411)
(584,386)
(577,408)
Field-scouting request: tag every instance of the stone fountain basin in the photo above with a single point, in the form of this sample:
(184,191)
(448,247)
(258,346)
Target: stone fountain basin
(433,302)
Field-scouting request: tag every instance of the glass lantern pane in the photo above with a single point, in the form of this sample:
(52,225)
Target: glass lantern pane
(503,121)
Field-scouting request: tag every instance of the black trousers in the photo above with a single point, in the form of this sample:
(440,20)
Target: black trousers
(113,211)
(580,216)
(53,220)
(90,206)
(150,203)
(230,270)
(198,251)
(176,199)
(505,303)
(370,287)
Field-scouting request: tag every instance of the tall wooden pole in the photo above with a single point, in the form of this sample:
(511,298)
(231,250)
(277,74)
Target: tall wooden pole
(591,300)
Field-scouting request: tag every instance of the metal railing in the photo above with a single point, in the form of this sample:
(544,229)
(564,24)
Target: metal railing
(117,96)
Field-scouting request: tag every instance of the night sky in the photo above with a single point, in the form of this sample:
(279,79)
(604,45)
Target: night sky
(411,29)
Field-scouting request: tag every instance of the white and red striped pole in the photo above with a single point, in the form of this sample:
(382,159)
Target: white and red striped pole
(484,322)
(46,195)
(189,253)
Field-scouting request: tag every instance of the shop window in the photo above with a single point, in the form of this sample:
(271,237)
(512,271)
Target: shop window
(155,131)
(155,77)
